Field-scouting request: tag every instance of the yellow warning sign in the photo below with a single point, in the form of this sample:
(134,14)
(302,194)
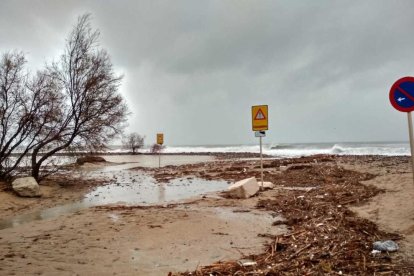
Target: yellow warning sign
(160,138)
(260,118)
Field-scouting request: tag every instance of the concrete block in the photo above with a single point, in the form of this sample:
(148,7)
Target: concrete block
(244,188)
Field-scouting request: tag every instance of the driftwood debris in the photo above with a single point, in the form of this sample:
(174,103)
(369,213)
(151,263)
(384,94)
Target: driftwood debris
(325,237)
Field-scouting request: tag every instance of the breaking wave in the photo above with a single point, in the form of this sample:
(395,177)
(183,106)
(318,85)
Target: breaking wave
(336,149)
(296,150)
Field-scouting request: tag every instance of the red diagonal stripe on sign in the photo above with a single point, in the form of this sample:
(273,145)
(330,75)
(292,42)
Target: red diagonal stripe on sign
(406,93)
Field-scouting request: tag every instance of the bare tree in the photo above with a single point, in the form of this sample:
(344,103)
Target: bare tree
(25,105)
(92,111)
(133,141)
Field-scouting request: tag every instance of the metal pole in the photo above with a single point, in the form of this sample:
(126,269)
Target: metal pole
(159,159)
(410,130)
(261,162)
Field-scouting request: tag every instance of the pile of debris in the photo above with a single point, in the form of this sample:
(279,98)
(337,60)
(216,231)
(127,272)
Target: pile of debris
(325,237)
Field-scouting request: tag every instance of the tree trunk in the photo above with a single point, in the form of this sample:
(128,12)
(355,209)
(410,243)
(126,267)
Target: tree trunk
(35,172)
(35,166)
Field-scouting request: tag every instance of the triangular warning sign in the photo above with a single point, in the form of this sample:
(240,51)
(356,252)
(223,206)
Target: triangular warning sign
(260,115)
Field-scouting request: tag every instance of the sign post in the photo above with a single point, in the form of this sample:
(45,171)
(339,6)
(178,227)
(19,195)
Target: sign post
(410,130)
(160,141)
(402,98)
(260,123)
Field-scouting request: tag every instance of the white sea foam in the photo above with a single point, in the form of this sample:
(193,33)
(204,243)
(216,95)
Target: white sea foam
(385,149)
(201,149)
(295,150)
(276,150)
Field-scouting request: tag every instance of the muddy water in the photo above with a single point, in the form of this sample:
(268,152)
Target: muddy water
(151,161)
(127,187)
(145,191)
(145,241)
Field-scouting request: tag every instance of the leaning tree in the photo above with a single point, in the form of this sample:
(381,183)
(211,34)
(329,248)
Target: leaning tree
(92,111)
(26,107)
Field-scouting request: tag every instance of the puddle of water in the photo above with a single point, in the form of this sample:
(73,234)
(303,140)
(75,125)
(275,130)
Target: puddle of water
(145,191)
(121,167)
(127,187)
(151,161)
(43,214)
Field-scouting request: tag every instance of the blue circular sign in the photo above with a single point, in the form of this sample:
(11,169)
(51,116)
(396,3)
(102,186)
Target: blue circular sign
(402,94)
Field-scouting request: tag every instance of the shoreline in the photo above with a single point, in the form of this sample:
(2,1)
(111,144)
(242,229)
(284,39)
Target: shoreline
(357,184)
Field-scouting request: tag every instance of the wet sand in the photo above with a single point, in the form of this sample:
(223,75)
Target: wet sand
(74,182)
(155,240)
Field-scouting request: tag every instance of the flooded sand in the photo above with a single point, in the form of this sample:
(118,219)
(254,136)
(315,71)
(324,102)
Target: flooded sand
(144,192)
(120,238)
(127,187)
(135,241)
(151,161)
(203,236)
(125,239)
(70,187)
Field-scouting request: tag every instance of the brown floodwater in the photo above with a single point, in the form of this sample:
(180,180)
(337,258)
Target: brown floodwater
(152,161)
(126,187)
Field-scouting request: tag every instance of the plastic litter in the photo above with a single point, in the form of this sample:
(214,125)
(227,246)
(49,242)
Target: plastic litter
(388,246)
(247,262)
(375,252)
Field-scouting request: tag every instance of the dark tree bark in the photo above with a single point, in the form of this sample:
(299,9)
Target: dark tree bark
(25,105)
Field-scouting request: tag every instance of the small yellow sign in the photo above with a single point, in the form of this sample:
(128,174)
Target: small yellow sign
(160,138)
(260,118)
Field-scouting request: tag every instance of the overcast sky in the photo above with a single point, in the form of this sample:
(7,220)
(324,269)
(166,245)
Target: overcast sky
(193,69)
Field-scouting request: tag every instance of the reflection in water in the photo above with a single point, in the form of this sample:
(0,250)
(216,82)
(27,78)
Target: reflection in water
(161,192)
(151,161)
(43,214)
(127,187)
(144,190)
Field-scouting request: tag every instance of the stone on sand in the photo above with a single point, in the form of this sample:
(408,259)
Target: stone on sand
(244,188)
(266,185)
(90,159)
(26,186)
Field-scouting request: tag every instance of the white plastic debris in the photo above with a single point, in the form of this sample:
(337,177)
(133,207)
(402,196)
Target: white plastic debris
(247,262)
(375,252)
(385,246)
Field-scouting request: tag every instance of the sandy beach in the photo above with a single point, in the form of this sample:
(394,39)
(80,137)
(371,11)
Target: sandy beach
(322,217)
(206,138)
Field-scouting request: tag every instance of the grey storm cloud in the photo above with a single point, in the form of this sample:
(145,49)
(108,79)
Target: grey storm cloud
(193,69)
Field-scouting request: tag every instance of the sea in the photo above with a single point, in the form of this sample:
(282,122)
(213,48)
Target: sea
(286,150)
